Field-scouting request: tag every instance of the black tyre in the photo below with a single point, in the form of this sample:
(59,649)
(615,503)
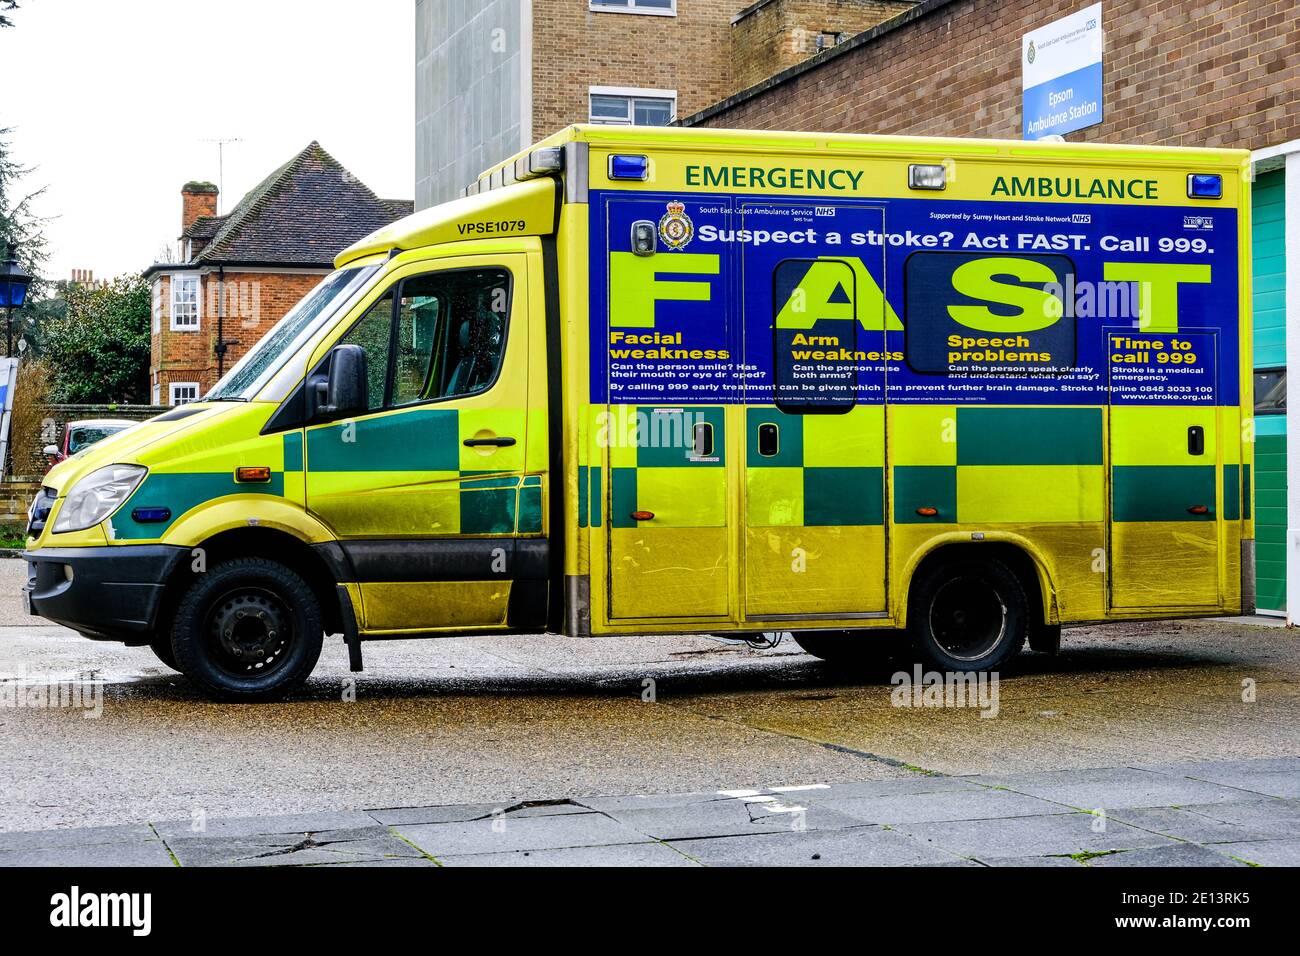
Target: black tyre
(968,615)
(161,645)
(862,648)
(247,630)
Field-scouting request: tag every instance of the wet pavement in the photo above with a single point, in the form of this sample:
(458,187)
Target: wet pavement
(500,721)
(1205,814)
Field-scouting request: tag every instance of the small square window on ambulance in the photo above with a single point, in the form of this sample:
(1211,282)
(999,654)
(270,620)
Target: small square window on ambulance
(1204,186)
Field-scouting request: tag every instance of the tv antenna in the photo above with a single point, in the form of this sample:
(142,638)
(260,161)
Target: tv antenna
(221,142)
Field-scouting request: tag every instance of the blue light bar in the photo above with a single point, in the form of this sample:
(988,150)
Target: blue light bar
(629,167)
(144,515)
(1205,186)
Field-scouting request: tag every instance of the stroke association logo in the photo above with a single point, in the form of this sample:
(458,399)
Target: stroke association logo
(676,228)
(1031,52)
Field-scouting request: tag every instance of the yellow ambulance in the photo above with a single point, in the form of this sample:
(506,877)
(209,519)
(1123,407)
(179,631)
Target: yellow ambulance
(708,381)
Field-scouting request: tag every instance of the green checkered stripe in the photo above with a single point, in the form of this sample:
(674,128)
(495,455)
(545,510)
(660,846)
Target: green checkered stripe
(1022,438)
(181,492)
(666,442)
(425,440)
(589,490)
(832,496)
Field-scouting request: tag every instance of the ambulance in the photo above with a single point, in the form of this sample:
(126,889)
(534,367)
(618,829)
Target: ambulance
(687,381)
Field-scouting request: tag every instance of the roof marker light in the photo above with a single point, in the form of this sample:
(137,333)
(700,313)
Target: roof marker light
(629,167)
(921,176)
(1204,186)
(547,159)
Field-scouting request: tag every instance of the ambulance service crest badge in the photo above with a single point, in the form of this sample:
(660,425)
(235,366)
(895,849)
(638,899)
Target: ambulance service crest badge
(676,228)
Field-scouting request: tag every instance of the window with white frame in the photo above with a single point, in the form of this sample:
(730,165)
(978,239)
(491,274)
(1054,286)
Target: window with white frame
(155,306)
(663,8)
(185,302)
(623,106)
(178,393)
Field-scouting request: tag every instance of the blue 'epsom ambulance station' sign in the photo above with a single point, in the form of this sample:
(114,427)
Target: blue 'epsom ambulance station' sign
(1061,73)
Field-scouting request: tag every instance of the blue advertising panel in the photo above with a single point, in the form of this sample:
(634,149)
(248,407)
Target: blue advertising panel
(912,301)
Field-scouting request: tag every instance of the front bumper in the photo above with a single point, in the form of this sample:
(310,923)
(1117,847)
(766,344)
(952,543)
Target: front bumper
(107,593)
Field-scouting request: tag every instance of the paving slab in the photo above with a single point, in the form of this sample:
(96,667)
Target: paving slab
(973,804)
(1186,824)
(657,801)
(1269,783)
(1052,835)
(151,853)
(1113,788)
(918,783)
(292,849)
(618,854)
(1264,853)
(75,836)
(529,833)
(466,812)
(1029,861)
(1276,819)
(1183,854)
(394,861)
(859,846)
(733,816)
(260,826)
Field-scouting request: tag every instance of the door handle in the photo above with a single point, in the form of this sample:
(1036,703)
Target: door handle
(498,442)
(1195,440)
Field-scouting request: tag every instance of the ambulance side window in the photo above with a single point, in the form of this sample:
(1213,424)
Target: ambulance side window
(371,332)
(451,334)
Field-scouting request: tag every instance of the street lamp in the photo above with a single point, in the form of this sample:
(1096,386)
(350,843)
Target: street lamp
(14,281)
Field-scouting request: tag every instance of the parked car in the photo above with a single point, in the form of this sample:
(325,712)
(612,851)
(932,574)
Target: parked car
(82,434)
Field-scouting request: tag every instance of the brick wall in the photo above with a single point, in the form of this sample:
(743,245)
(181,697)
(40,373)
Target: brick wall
(575,47)
(772,35)
(1225,74)
(249,303)
(31,462)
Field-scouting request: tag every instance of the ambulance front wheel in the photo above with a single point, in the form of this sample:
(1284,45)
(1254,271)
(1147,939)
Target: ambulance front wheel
(247,630)
(968,615)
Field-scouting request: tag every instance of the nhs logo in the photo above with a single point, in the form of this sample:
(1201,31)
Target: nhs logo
(823,210)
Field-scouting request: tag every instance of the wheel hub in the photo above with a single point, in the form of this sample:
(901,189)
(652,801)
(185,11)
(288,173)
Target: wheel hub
(249,627)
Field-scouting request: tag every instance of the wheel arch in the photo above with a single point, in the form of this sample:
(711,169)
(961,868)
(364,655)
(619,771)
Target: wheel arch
(1026,561)
(273,544)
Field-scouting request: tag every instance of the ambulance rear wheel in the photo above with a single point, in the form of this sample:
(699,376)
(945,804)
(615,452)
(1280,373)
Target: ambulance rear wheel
(247,630)
(849,648)
(968,615)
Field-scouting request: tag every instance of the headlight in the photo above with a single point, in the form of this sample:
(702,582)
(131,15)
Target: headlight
(98,495)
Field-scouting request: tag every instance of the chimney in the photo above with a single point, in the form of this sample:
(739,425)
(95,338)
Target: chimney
(197,199)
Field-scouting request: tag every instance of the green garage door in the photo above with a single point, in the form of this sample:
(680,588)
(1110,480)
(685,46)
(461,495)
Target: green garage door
(1269,308)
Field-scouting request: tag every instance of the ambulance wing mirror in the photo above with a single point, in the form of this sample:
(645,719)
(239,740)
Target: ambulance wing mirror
(343,388)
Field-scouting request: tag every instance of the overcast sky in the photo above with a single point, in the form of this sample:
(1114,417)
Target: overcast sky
(112,102)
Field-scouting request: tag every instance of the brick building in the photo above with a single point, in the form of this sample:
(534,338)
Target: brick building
(495,76)
(237,274)
(1223,74)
